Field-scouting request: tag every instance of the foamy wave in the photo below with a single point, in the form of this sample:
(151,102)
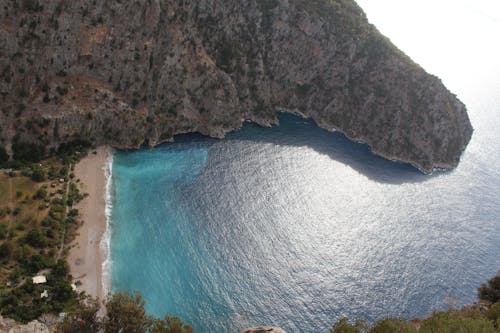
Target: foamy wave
(106,238)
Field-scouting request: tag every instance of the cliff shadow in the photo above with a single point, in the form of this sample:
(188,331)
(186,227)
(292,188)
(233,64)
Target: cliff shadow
(299,132)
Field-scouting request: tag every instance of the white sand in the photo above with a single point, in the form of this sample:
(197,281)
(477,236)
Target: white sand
(86,257)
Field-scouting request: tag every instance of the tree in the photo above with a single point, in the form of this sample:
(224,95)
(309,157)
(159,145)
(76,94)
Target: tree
(38,175)
(453,322)
(392,326)
(490,291)
(5,250)
(4,157)
(40,194)
(60,269)
(125,313)
(61,292)
(343,326)
(171,325)
(84,319)
(36,239)
(493,314)
(34,263)
(28,152)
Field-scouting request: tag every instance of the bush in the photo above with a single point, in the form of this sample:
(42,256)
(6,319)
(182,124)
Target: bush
(126,310)
(124,313)
(5,250)
(4,157)
(31,5)
(452,322)
(28,152)
(34,264)
(171,325)
(84,319)
(16,211)
(38,175)
(35,238)
(40,194)
(493,314)
(393,326)
(490,291)
(343,326)
(3,231)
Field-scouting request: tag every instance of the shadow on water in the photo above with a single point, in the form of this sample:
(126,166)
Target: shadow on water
(295,131)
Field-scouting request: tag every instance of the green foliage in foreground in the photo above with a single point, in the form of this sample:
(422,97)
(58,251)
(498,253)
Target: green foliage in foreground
(484,318)
(452,321)
(4,157)
(125,313)
(490,291)
(24,303)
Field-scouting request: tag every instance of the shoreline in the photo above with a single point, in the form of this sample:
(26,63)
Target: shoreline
(88,252)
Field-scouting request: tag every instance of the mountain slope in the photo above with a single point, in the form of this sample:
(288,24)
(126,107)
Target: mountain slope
(134,72)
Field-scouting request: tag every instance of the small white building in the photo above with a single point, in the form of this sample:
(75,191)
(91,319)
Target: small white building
(45,294)
(73,286)
(39,279)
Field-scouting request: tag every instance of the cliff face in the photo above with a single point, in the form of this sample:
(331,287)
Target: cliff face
(46,324)
(132,72)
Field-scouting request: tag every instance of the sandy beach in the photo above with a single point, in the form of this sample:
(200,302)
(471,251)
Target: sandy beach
(86,257)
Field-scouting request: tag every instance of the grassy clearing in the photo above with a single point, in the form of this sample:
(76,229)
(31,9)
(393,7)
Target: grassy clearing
(37,219)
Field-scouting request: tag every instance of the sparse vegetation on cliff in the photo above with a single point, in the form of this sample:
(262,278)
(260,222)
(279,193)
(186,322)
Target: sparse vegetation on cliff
(120,78)
(482,317)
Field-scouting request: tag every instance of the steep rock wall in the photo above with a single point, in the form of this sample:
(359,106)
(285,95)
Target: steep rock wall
(126,73)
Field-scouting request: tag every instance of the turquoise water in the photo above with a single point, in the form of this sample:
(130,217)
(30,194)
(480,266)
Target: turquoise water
(296,227)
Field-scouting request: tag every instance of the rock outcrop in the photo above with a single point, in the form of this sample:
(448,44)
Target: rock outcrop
(35,326)
(128,73)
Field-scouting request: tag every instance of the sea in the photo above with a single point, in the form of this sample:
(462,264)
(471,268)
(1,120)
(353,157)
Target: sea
(296,227)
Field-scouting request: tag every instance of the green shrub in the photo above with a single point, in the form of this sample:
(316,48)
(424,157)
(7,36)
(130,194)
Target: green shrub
(5,250)
(493,314)
(490,291)
(35,238)
(393,326)
(343,326)
(3,231)
(453,322)
(28,152)
(38,175)
(125,312)
(40,194)
(4,157)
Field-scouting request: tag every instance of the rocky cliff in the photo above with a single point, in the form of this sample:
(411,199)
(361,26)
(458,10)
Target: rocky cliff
(128,73)
(46,324)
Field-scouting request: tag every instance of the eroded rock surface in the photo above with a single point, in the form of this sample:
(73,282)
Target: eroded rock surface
(35,326)
(126,73)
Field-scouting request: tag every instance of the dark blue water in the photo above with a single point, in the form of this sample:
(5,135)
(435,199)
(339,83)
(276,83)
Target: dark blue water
(296,227)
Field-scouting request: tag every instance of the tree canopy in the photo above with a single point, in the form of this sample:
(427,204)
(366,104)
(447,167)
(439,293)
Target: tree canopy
(124,313)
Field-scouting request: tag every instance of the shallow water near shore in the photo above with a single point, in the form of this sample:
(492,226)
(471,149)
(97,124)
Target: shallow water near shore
(295,227)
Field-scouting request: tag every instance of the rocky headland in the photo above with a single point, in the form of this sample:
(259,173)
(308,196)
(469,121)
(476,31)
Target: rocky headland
(128,73)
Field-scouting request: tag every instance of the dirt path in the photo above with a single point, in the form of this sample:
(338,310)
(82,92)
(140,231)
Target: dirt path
(65,199)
